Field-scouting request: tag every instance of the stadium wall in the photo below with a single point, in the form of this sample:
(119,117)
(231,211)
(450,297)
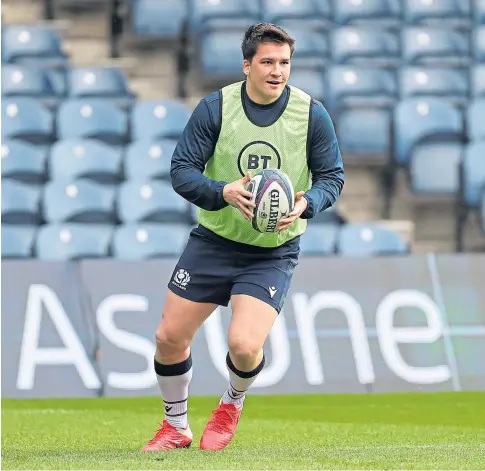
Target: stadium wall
(86,329)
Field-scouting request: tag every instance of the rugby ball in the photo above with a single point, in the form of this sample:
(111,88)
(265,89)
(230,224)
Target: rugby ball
(274,197)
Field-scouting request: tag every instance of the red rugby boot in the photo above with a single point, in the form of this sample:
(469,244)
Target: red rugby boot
(168,438)
(220,429)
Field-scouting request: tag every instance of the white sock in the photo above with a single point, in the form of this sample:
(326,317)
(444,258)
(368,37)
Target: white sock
(239,382)
(173,381)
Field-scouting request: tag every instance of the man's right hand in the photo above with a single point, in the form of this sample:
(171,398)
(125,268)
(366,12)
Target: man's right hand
(236,195)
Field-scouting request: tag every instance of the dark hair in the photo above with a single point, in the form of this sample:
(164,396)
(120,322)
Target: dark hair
(264,33)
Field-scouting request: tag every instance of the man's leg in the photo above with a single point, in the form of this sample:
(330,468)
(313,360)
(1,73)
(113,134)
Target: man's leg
(251,323)
(181,319)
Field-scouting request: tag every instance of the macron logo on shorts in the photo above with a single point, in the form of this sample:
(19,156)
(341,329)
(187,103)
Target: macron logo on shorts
(272,291)
(181,278)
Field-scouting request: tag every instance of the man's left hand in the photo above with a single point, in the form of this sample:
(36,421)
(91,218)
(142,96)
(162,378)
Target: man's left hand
(300,206)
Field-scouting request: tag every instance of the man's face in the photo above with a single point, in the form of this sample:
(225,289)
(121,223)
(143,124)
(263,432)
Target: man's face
(268,72)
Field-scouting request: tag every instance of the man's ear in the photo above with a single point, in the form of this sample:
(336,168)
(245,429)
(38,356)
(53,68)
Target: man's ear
(246,66)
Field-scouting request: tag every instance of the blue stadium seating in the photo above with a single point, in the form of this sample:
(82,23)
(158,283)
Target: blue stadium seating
(365,136)
(149,240)
(319,239)
(153,18)
(100,82)
(435,46)
(17,241)
(158,119)
(32,45)
(145,160)
(95,119)
(223,14)
(450,84)
(73,241)
(473,174)
(479,8)
(479,44)
(313,51)
(424,120)
(25,118)
(34,82)
(434,168)
(476,120)
(20,203)
(150,201)
(23,161)
(220,57)
(369,239)
(361,46)
(85,158)
(478,81)
(310,81)
(352,85)
(385,13)
(315,13)
(79,201)
(430,12)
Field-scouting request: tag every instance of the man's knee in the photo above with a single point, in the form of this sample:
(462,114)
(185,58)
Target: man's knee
(169,340)
(244,350)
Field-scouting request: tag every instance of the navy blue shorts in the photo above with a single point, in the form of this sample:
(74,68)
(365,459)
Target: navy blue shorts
(211,269)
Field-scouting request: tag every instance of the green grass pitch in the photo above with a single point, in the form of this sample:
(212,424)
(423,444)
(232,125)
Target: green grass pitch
(375,431)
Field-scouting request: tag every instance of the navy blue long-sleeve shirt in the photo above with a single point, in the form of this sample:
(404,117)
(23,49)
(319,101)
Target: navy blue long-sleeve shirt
(199,139)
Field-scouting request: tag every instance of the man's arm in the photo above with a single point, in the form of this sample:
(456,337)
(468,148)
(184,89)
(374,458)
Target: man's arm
(194,149)
(325,163)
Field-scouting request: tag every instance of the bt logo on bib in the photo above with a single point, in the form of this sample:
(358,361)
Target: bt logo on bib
(257,156)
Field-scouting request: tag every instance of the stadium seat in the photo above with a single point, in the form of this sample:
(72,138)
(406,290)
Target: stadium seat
(158,119)
(220,57)
(319,239)
(449,84)
(223,14)
(479,44)
(328,216)
(37,45)
(310,81)
(435,46)
(434,168)
(478,81)
(88,158)
(149,240)
(146,160)
(33,82)
(153,18)
(20,203)
(424,120)
(100,82)
(472,181)
(386,13)
(150,201)
(84,118)
(79,201)
(318,14)
(431,12)
(476,120)
(361,46)
(365,135)
(369,239)
(479,9)
(17,241)
(313,50)
(352,85)
(23,161)
(73,241)
(25,118)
